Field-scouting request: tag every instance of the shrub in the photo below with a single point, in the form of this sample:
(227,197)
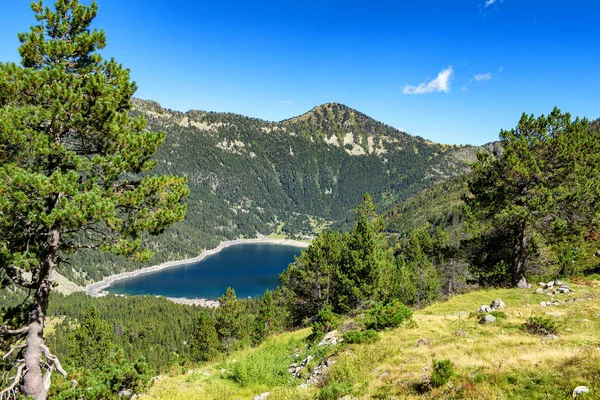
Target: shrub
(498,314)
(326,321)
(368,336)
(442,372)
(388,315)
(540,326)
(593,277)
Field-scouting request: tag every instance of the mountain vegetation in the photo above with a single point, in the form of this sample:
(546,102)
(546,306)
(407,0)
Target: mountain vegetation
(250,177)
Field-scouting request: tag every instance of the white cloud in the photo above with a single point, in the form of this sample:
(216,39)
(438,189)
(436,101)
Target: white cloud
(479,77)
(483,77)
(287,102)
(489,2)
(439,84)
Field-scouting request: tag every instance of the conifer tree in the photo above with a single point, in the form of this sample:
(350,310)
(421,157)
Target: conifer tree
(543,192)
(74,169)
(205,341)
(92,340)
(264,322)
(229,320)
(366,260)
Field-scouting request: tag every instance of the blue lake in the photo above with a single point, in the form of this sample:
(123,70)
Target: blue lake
(248,268)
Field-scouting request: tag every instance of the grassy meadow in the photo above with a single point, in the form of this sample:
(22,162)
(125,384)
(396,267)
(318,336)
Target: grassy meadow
(493,361)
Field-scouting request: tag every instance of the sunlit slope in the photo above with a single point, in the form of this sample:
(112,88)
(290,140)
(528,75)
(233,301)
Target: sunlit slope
(495,361)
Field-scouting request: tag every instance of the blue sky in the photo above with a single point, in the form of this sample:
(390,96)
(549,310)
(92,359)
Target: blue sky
(449,71)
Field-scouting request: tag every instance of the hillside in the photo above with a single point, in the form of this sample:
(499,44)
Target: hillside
(497,360)
(251,177)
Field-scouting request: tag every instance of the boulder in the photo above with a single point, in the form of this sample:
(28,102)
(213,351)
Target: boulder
(487,319)
(579,390)
(497,304)
(484,309)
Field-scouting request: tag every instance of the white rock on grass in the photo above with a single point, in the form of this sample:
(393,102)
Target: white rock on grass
(484,309)
(262,396)
(487,319)
(579,390)
(497,304)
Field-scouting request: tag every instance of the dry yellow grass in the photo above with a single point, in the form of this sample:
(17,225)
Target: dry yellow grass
(495,361)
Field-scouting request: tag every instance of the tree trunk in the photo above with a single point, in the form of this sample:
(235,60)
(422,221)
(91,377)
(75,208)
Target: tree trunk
(34,383)
(518,270)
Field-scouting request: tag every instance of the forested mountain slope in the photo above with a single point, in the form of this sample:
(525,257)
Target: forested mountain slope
(248,176)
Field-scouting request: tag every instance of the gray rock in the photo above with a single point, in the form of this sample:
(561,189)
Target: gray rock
(487,319)
(262,396)
(332,338)
(422,342)
(545,303)
(306,361)
(540,291)
(497,304)
(549,284)
(529,286)
(542,284)
(579,390)
(563,290)
(551,337)
(484,309)
(346,397)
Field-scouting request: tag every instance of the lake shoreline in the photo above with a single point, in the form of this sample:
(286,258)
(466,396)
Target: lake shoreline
(97,289)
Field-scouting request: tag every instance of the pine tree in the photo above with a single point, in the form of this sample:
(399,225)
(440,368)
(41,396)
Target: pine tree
(311,282)
(229,320)
(263,324)
(542,193)
(366,260)
(92,341)
(205,341)
(74,167)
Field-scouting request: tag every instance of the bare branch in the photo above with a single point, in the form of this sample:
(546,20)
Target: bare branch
(13,348)
(5,331)
(54,360)
(11,389)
